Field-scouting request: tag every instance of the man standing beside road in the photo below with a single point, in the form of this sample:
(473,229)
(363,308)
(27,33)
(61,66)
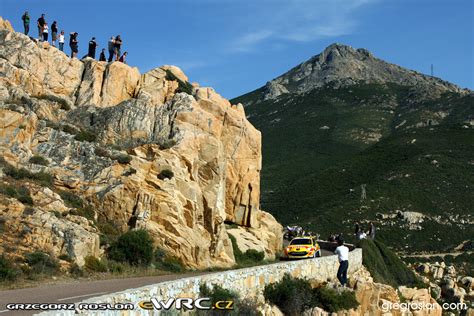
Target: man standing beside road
(342,253)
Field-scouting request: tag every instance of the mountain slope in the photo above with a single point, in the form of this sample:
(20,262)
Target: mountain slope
(336,123)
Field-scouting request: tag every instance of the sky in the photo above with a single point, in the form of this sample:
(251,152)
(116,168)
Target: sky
(236,46)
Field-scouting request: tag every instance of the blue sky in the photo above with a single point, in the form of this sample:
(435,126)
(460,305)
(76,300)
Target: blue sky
(236,46)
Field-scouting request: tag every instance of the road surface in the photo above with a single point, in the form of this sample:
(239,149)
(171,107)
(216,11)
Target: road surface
(78,291)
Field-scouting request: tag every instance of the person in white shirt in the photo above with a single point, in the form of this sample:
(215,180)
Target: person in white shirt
(342,253)
(61,40)
(45,32)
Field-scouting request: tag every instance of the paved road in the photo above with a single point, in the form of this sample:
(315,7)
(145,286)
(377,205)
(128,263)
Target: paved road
(78,291)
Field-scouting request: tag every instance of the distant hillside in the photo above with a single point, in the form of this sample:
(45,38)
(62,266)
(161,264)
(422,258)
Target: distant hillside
(407,137)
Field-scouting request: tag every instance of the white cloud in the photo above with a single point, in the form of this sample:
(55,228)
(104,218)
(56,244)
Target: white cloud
(297,21)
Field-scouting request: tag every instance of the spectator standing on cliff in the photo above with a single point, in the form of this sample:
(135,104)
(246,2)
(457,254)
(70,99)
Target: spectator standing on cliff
(74,44)
(61,40)
(92,47)
(111,48)
(26,22)
(117,46)
(342,253)
(123,58)
(102,55)
(41,21)
(45,32)
(372,230)
(54,33)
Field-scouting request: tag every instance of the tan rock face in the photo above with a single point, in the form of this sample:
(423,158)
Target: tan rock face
(194,164)
(28,229)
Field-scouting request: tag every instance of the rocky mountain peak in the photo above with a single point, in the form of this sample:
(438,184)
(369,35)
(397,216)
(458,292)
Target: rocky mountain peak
(343,65)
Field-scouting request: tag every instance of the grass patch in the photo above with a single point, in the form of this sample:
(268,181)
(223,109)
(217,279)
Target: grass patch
(251,257)
(39,160)
(42,178)
(86,136)
(386,267)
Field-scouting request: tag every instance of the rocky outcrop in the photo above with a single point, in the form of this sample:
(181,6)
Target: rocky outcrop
(27,229)
(146,151)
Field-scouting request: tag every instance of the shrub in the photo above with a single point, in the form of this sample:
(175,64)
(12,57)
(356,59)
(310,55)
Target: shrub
(129,172)
(69,129)
(332,301)
(134,247)
(76,271)
(8,190)
(123,159)
(86,212)
(25,199)
(39,160)
(41,263)
(19,174)
(291,295)
(99,151)
(217,293)
(63,104)
(115,267)
(65,257)
(167,144)
(167,263)
(85,135)
(165,174)
(94,264)
(71,199)
(7,271)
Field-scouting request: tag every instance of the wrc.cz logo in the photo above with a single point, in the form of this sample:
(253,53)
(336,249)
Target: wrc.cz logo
(203,303)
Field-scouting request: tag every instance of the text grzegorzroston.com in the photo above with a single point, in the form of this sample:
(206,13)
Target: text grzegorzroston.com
(68,306)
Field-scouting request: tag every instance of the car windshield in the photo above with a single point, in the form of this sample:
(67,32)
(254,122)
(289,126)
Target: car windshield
(301,241)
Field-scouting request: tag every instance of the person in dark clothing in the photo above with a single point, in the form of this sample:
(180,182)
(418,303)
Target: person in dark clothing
(372,230)
(111,48)
(40,23)
(117,46)
(102,55)
(26,22)
(54,33)
(92,47)
(73,43)
(123,58)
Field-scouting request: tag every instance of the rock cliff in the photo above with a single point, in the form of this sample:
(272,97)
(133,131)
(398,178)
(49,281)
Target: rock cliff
(144,151)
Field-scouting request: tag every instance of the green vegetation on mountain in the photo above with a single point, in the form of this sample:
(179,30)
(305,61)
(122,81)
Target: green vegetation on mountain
(412,151)
(386,267)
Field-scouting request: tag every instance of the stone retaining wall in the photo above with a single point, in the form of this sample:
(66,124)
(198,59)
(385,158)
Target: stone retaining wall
(248,282)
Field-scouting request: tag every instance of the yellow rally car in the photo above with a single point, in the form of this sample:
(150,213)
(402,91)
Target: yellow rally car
(303,247)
